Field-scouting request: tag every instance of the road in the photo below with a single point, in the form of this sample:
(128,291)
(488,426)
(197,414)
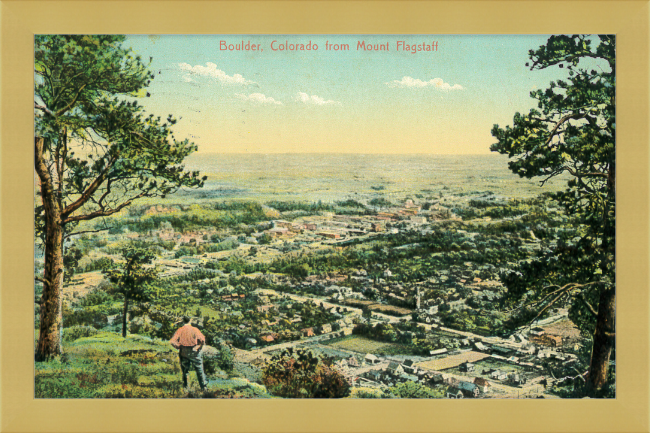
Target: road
(393,319)
(498,389)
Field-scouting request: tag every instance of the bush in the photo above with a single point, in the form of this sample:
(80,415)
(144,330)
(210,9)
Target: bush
(131,391)
(96,297)
(224,360)
(76,332)
(101,264)
(51,386)
(301,374)
(412,390)
(88,316)
(124,373)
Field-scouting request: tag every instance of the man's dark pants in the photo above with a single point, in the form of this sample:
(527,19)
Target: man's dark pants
(192,359)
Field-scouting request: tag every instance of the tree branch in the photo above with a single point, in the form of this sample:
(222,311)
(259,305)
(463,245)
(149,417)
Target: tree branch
(587,304)
(42,280)
(103,212)
(560,123)
(85,231)
(44,109)
(85,196)
(74,100)
(592,174)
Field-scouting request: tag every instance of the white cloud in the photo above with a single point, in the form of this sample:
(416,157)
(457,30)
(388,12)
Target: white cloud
(210,70)
(258,98)
(436,83)
(313,99)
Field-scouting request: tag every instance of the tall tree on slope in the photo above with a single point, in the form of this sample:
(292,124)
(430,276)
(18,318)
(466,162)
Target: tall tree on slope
(95,150)
(573,132)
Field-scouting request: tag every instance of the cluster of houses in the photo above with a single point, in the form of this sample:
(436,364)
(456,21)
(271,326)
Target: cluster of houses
(331,226)
(394,372)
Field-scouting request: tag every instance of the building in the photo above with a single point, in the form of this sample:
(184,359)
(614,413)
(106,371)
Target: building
(329,235)
(267,338)
(353,362)
(264,308)
(548,340)
(467,367)
(371,359)
(483,384)
(479,346)
(537,331)
(498,375)
(516,379)
(410,367)
(395,369)
(463,390)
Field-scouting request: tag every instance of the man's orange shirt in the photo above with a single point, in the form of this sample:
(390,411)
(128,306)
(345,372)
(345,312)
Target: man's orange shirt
(187,336)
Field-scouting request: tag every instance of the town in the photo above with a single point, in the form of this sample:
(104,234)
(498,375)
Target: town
(387,294)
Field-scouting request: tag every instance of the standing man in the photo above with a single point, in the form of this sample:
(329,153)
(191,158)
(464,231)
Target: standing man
(189,341)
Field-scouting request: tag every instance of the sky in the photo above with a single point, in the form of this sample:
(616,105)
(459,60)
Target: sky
(272,100)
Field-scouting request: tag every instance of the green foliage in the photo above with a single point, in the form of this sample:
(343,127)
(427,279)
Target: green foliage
(412,389)
(223,360)
(407,389)
(71,261)
(226,358)
(76,332)
(95,316)
(292,206)
(131,391)
(82,87)
(185,251)
(96,297)
(101,264)
(301,374)
(230,388)
(350,203)
(572,132)
(380,202)
(133,280)
(96,151)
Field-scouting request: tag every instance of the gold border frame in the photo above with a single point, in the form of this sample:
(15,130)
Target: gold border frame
(21,19)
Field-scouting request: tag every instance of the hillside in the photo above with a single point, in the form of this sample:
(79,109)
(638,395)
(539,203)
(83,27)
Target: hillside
(105,365)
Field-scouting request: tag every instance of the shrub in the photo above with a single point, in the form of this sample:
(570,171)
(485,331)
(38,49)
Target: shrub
(59,386)
(130,391)
(367,393)
(96,297)
(301,374)
(93,316)
(225,359)
(124,373)
(76,332)
(412,390)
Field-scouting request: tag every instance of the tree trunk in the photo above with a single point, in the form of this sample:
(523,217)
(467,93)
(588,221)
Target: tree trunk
(125,312)
(605,334)
(49,341)
(604,339)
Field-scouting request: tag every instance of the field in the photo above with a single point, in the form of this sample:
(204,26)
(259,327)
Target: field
(452,361)
(390,309)
(332,177)
(365,345)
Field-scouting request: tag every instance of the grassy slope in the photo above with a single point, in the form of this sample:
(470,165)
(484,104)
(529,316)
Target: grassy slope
(108,366)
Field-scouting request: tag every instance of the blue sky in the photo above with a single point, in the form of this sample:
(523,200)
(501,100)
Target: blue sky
(266,101)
